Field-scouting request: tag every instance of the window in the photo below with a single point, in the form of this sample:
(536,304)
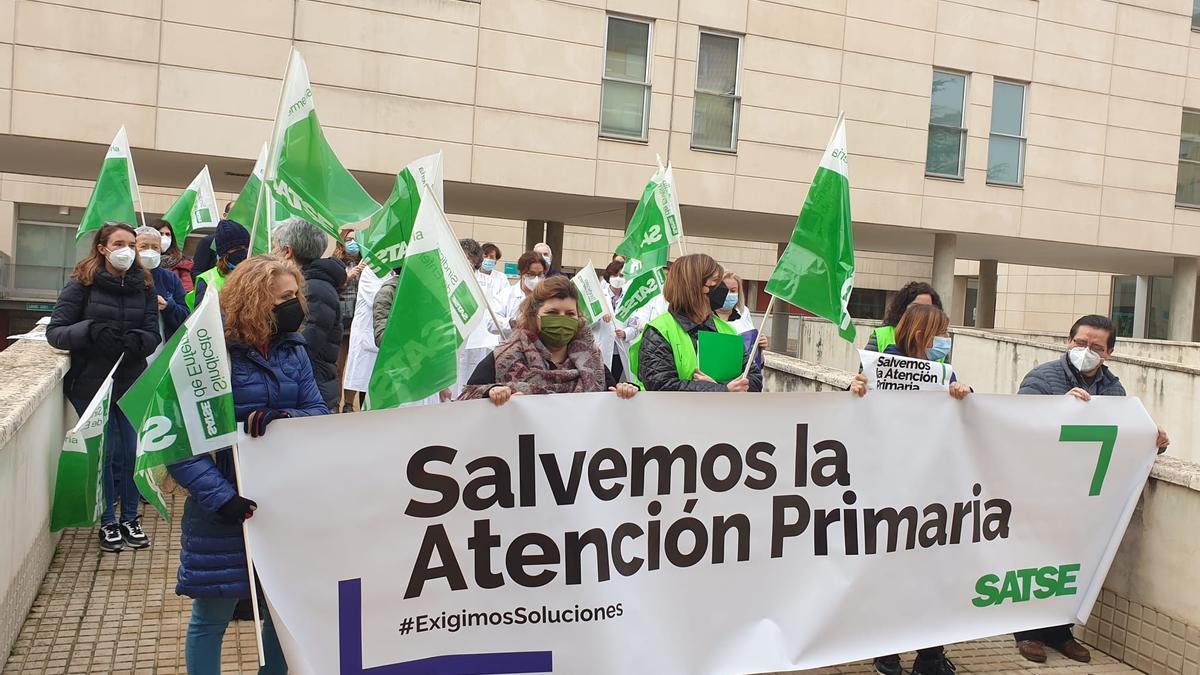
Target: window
(1006,146)
(1187,182)
(1195,14)
(44,257)
(625,92)
(717,104)
(867,303)
(947,137)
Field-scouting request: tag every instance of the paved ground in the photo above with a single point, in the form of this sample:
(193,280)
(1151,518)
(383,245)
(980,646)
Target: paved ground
(105,613)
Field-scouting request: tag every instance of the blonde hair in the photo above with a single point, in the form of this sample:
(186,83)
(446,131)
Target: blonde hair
(741,291)
(247,300)
(918,326)
(685,282)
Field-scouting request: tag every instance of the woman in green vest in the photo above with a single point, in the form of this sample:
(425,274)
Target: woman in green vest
(913,293)
(664,357)
(232,244)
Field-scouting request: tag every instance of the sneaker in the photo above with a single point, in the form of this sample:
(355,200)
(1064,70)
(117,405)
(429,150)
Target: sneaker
(936,665)
(110,538)
(131,533)
(888,665)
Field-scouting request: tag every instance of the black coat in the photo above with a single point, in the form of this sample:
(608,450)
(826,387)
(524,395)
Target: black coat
(656,361)
(130,305)
(322,330)
(205,258)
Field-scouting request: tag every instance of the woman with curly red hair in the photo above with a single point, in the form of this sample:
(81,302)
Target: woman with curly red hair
(263,306)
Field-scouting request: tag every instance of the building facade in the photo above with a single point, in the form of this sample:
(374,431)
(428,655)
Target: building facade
(1035,159)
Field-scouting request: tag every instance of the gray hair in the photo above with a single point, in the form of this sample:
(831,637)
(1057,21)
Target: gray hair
(146,230)
(473,251)
(307,240)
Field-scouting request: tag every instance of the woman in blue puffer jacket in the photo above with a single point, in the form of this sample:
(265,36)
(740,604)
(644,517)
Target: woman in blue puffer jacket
(262,303)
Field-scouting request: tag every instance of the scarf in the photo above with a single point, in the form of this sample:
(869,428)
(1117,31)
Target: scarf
(523,363)
(170,261)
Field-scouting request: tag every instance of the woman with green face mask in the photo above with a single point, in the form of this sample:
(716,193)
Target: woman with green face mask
(550,351)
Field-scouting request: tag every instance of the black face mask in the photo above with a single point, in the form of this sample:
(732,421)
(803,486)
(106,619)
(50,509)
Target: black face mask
(235,258)
(717,295)
(289,315)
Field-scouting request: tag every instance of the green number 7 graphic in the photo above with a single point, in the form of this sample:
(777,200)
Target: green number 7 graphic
(1105,435)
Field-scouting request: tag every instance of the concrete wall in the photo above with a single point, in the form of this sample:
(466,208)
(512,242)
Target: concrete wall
(33,416)
(512,92)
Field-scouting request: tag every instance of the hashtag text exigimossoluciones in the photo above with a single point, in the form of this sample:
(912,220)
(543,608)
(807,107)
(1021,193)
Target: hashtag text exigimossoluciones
(520,616)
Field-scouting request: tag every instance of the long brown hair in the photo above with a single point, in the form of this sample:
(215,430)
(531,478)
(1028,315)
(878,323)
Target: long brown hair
(554,288)
(339,245)
(686,279)
(85,270)
(918,326)
(247,299)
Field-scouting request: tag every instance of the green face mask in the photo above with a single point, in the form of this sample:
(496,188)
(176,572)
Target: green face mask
(557,329)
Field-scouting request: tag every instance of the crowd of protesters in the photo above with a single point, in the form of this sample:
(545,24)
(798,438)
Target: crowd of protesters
(303,328)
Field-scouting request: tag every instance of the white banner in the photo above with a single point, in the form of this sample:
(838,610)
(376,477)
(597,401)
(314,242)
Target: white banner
(586,534)
(901,373)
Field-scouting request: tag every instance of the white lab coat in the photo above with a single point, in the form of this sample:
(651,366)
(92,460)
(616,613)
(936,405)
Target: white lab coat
(508,304)
(485,337)
(744,323)
(360,359)
(494,283)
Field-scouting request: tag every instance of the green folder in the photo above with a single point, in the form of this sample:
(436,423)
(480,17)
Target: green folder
(720,355)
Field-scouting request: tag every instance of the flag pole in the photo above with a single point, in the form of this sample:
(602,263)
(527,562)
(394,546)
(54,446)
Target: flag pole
(269,168)
(754,347)
(258,637)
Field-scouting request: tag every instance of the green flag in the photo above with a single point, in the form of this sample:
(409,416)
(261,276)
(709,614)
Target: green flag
(655,225)
(148,482)
(302,171)
(383,242)
(196,207)
(440,305)
(182,404)
(592,297)
(78,493)
(640,290)
(816,271)
(116,190)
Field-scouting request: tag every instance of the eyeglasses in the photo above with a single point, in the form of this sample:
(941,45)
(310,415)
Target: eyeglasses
(1099,349)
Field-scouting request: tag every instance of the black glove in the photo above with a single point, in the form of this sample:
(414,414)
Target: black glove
(237,509)
(132,344)
(105,338)
(256,423)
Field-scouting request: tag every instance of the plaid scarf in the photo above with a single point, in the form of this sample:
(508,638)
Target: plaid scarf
(523,363)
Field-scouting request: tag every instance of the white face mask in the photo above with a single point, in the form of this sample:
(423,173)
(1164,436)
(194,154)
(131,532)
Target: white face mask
(1084,359)
(166,243)
(617,282)
(548,259)
(150,258)
(121,258)
(532,282)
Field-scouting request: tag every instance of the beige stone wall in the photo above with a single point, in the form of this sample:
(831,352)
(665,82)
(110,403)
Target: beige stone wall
(1049,299)
(511,92)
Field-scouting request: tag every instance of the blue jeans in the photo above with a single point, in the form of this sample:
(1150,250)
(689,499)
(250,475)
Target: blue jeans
(206,631)
(120,449)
